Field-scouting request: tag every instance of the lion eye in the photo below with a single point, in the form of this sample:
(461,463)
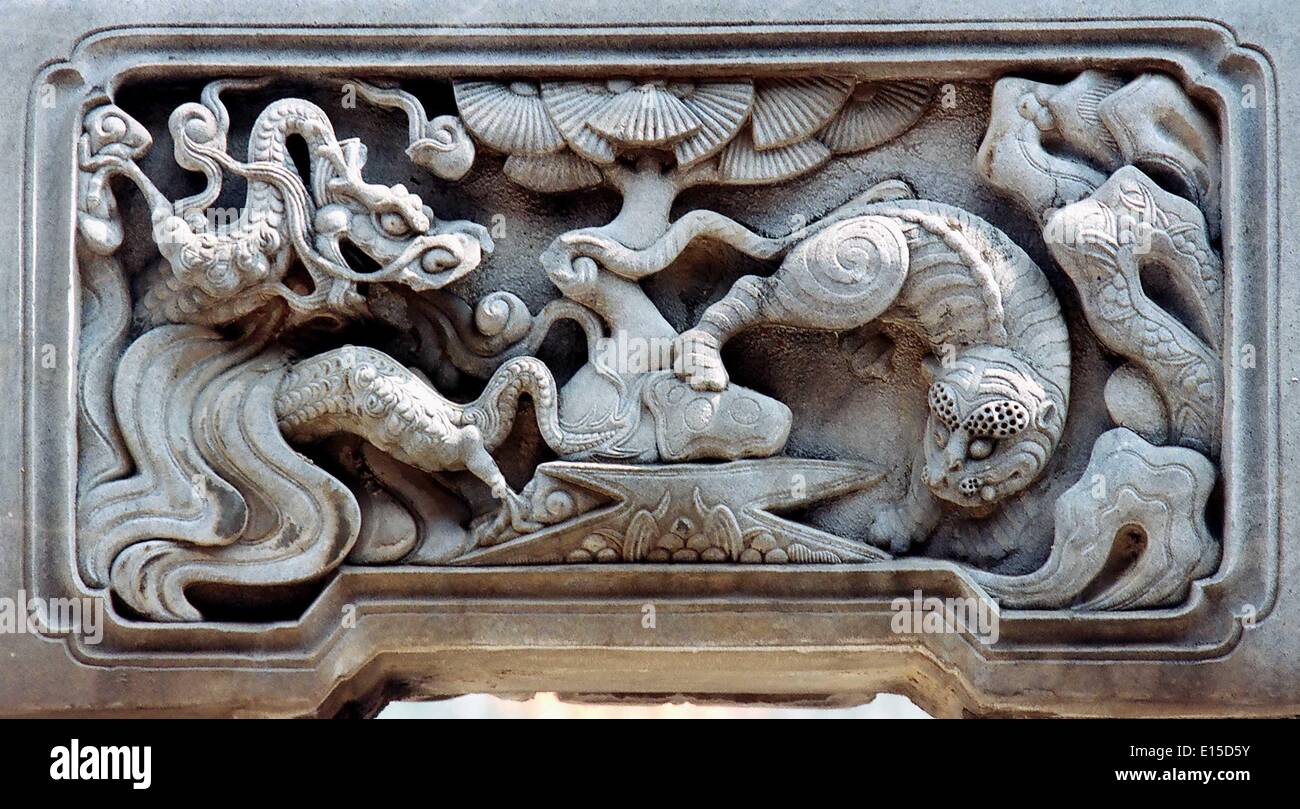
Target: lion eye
(943,404)
(997,419)
(980,448)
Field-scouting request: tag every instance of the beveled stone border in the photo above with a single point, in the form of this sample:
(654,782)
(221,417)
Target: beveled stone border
(405,611)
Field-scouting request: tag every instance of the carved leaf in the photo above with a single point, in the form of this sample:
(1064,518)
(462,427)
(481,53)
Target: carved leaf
(876,112)
(510,118)
(741,163)
(790,110)
(641,534)
(571,105)
(722,531)
(551,174)
(647,115)
(803,555)
(722,108)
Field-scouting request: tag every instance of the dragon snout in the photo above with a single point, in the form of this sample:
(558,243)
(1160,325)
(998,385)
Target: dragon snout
(409,206)
(419,221)
(440,258)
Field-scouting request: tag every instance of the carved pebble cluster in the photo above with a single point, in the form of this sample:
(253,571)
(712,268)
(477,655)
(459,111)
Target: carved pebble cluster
(760,547)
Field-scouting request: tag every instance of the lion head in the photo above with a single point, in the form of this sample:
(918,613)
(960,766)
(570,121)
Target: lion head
(993,424)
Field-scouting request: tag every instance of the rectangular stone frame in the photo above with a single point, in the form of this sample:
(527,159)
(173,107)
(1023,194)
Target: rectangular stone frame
(810,634)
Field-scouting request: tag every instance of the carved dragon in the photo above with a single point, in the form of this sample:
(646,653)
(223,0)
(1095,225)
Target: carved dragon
(215,271)
(168,504)
(365,392)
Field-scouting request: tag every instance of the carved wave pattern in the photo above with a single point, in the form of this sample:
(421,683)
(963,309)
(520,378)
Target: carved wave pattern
(218,496)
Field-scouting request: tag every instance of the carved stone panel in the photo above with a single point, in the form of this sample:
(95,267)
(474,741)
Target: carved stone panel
(671,357)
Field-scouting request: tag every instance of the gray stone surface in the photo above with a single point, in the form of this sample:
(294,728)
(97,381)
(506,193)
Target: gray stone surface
(633,354)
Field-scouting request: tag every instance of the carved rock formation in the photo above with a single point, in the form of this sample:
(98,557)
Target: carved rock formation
(1130,534)
(1103,242)
(1037,129)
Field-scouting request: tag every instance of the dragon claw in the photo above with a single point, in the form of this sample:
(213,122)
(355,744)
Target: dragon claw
(517,508)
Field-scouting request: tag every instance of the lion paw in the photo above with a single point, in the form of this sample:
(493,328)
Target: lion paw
(697,361)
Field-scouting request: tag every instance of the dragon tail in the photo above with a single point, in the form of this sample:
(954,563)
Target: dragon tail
(494,411)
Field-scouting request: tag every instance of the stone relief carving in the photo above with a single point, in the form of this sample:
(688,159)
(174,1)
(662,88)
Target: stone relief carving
(1154,510)
(252,415)
(1104,232)
(1127,223)
(1048,145)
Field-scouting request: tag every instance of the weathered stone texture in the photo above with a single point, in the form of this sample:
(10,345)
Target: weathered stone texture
(358,356)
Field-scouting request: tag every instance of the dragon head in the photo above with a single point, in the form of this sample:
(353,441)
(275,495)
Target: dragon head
(391,226)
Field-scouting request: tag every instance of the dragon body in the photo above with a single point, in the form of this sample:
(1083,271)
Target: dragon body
(367,393)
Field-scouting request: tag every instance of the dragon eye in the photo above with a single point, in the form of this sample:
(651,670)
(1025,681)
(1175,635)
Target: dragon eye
(393,224)
(980,448)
